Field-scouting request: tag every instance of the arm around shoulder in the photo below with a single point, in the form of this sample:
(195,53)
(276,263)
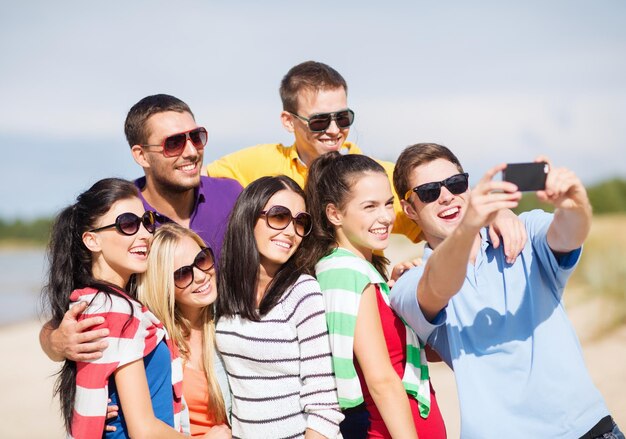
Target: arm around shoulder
(74,339)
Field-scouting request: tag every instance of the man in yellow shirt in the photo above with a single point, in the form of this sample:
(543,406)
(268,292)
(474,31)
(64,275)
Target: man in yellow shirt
(315,110)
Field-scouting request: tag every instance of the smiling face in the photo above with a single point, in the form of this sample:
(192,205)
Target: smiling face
(439,218)
(311,145)
(174,174)
(277,246)
(365,221)
(202,291)
(117,256)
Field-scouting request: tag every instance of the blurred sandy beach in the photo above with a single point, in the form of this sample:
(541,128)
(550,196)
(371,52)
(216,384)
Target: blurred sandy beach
(28,410)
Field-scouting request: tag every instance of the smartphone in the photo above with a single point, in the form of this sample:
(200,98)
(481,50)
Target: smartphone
(527,176)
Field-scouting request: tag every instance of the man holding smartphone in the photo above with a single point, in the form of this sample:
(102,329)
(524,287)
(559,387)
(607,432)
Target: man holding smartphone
(501,326)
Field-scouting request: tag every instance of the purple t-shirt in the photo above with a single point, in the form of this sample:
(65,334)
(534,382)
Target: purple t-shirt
(215,198)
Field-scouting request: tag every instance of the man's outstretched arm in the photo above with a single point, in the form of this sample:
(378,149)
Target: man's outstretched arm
(572,214)
(445,270)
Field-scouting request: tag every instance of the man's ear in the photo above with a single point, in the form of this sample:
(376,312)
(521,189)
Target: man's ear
(287,120)
(409,211)
(91,241)
(334,215)
(140,156)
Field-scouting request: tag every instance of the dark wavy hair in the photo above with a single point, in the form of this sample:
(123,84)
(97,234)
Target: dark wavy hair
(70,265)
(239,265)
(330,181)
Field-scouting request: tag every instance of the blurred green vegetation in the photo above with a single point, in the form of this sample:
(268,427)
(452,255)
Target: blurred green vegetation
(606,197)
(602,269)
(34,232)
(601,274)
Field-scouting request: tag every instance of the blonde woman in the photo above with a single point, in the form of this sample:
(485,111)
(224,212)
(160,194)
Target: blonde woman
(179,288)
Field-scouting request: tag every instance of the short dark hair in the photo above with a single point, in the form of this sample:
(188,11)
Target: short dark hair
(309,75)
(239,265)
(138,115)
(330,181)
(416,155)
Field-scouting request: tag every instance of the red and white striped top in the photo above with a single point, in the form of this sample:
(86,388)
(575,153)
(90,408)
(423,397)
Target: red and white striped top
(132,336)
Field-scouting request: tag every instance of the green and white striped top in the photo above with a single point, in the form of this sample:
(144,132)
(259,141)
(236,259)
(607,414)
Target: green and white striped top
(343,277)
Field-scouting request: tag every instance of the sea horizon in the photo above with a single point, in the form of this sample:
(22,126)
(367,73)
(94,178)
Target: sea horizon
(22,272)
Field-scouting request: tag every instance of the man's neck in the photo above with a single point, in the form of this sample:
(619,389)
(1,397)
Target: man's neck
(307,159)
(304,159)
(178,206)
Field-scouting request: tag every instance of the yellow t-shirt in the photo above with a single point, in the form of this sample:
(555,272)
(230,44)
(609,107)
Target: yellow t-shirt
(249,164)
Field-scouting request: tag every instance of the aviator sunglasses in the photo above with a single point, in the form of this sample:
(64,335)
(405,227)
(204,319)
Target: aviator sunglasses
(319,123)
(174,145)
(429,192)
(279,217)
(183,277)
(128,223)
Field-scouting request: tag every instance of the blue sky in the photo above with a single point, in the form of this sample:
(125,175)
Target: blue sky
(494,81)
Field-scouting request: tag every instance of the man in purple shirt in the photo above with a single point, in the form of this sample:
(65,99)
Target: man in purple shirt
(168,144)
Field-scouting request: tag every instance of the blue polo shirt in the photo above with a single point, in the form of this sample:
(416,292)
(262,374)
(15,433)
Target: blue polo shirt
(214,199)
(517,361)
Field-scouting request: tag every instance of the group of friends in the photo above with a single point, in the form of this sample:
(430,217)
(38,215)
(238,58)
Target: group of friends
(256,301)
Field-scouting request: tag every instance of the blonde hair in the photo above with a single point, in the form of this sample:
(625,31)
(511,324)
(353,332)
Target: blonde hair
(156,290)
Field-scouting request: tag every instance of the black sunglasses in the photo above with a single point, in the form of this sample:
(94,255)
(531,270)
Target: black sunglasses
(128,223)
(319,123)
(204,261)
(174,145)
(429,192)
(279,217)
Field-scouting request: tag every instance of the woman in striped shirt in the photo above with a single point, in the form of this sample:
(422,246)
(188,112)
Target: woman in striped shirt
(97,245)
(378,361)
(270,326)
